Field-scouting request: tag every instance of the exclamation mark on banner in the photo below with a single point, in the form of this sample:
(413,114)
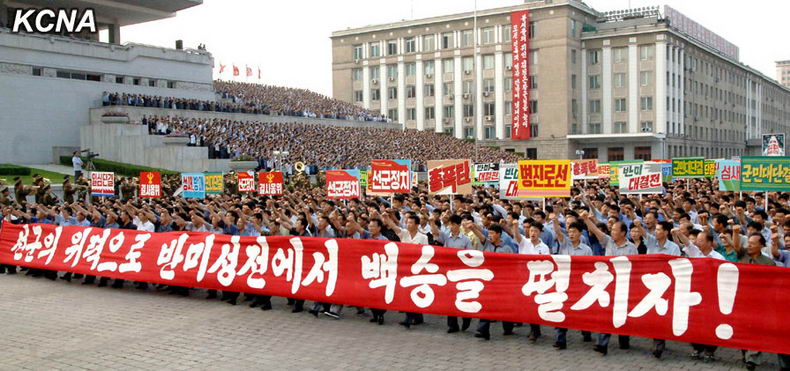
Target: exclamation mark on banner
(727,284)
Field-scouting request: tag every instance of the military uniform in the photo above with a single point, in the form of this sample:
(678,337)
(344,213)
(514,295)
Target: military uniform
(68,192)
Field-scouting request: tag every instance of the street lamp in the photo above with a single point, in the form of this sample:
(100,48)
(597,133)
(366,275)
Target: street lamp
(580,153)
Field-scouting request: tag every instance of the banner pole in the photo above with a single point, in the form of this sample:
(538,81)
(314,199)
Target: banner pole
(766,202)
(544,204)
(452,198)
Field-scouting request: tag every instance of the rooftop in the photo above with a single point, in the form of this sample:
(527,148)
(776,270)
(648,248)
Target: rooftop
(122,12)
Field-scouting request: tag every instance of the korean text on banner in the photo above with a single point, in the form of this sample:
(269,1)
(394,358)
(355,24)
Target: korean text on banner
(270,183)
(342,184)
(214,183)
(102,183)
(710,168)
(449,177)
(554,290)
(584,169)
(246,181)
(508,182)
(150,184)
(642,178)
(519,29)
(389,176)
(728,173)
(486,173)
(765,173)
(691,167)
(193,185)
(544,178)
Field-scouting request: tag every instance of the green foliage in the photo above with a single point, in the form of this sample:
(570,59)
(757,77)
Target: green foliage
(8,169)
(118,168)
(244,158)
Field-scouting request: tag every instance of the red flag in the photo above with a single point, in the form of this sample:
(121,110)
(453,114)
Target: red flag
(259,73)
(249,71)
(235,70)
(221,68)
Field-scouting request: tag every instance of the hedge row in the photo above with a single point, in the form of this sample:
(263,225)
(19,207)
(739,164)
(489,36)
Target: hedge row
(7,169)
(118,168)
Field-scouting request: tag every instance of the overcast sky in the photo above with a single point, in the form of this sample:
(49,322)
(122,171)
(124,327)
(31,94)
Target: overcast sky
(289,40)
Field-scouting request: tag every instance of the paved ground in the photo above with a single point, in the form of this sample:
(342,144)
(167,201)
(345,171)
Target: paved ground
(68,170)
(58,325)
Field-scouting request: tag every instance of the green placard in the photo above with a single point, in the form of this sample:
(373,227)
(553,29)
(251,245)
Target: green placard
(214,183)
(690,167)
(710,168)
(765,173)
(614,170)
(363,179)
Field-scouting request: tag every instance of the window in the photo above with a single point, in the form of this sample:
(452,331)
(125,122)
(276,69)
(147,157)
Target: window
(646,103)
(448,88)
(430,114)
(410,46)
(573,56)
(428,68)
(428,90)
(595,82)
(119,79)
(356,74)
(411,91)
(488,132)
(506,33)
(447,40)
(643,153)
(374,49)
(595,128)
(645,77)
(449,111)
(448,65)
(590,153)
(469,110)
(532,30)
(151,83)
(620,54)
(508,108)
(533,130)
(647,126)
(489,109)
(615,154)
(469,133)
(573,81)
(358,96)
(171,84)
(136,81)
(392,93)
(574,108)
(411,114)
(392,71)
(573,27)
(595,106)
(619,127)
(488,86)
(428,43)
(487,35)
(532,153)
(646,52)
(468,63)
(467,38)
(36,71)
(488,62)
(392,47)
(375,95)
(468,87)
(592,56)
(619,105)
(533,106)
(411,69)
(533,82)
(619,80)
(508,61)
(356,52)
(533,57)
(508,84)
(393,114)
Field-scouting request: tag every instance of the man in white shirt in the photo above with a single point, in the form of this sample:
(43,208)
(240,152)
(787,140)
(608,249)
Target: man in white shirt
(570,245)
(76,161)
(409,235)
(532,245)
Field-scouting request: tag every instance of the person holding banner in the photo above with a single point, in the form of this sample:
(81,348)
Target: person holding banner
(570,245)
(456,240)
(533,245)
(409,235)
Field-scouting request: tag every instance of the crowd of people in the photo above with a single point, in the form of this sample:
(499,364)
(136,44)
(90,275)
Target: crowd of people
(691,219)
(322,146)
(237,97)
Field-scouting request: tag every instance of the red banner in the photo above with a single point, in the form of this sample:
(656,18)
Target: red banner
(389,176)
(695,300)
(270,184)
(341,185)
(150,184)
(449,177)
(246,181)
(519,117)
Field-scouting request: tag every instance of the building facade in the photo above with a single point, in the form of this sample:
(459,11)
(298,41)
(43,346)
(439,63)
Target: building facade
(783,72)
(618,85)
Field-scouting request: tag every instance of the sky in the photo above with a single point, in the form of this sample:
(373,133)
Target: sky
(289,40)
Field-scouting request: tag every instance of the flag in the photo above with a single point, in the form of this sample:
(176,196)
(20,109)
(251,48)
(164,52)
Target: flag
(249,71)
(235,70)
(221,67)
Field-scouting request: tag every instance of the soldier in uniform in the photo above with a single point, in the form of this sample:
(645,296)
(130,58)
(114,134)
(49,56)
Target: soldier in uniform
(38,182)
(21,192)
(127,188)
(5,198)
(82,187)
(68,190)
(49,198)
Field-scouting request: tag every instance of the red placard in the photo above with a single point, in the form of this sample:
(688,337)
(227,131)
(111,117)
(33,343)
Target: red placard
(150,184)
(341,185)
(449,177)
(519,28)
(246,181)
(270,184)
(693,300)
(388,176)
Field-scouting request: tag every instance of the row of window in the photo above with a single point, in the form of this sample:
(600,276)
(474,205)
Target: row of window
(620,55)
(87,76)
(618,153)
(448,89)
(448,66)
(618,127)
(489,110)
(446,40)
(619,80)
(645,104)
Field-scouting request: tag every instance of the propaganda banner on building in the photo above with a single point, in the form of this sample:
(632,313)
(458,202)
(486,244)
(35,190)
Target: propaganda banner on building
(690,167)
(544,178)
(102,184)
(519,28)
(449,177)
(389,176)
(342,184)
(150,184)
(214,183)
(729,174)
(644,178)
(193,185)
(245,181)
(765,173)
(486,173)
(773,144)
(695,300)
(584,169)
(270,183)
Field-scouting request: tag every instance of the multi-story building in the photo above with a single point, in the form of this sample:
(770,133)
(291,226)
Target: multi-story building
(616,85)
(783,72)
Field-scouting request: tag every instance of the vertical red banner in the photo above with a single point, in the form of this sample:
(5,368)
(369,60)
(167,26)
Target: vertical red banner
(519,116)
